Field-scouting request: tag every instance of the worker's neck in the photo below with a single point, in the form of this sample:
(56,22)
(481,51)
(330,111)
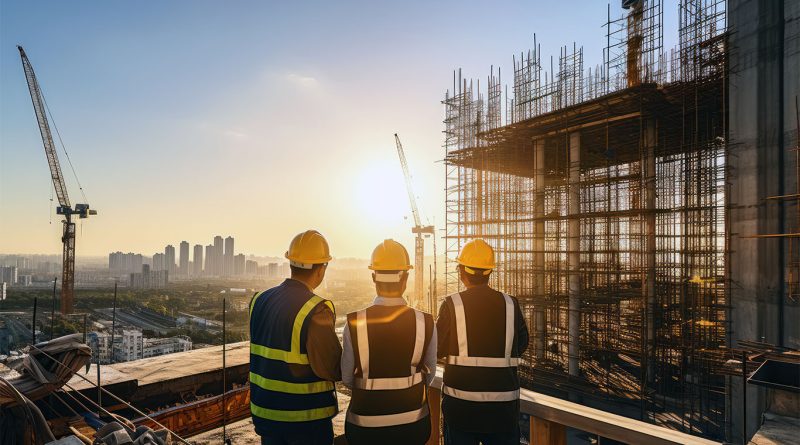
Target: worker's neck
(302,280)
(469,285)
(389,294)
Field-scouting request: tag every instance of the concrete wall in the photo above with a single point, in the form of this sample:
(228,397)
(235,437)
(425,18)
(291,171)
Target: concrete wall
(762,84)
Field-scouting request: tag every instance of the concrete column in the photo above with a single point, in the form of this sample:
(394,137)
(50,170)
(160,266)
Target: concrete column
(538,246)
(648,165)
(764,72)
(573,251)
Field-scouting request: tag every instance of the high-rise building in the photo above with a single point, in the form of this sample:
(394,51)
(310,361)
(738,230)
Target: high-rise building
(239,264)
(272,270)
(198,260)
(209,269)
(169,258)
(218,255)
(228,269)
(9,274)
(124,263)
(184,258)
(251,267)
(148,279)
(158,262)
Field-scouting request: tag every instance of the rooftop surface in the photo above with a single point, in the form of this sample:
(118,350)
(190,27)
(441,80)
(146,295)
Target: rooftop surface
(167,367)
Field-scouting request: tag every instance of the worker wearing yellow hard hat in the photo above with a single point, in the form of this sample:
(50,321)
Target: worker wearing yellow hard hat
(389,359)
(294,351)
(481,334)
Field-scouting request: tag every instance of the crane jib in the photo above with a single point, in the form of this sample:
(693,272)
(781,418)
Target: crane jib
(44,129)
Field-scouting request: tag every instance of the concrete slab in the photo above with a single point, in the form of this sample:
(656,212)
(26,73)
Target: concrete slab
(777,430)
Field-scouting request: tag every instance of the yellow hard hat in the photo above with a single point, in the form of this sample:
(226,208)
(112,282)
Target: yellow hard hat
(390,256)
(478,254)
(308,248)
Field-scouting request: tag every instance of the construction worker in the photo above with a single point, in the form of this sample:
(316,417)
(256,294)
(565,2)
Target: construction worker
(482,334)
(389,359)
(294,352)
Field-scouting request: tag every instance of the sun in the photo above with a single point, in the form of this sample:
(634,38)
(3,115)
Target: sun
(380,195)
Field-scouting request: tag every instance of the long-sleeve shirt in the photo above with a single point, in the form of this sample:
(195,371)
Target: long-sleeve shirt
(348,357)
(322,344)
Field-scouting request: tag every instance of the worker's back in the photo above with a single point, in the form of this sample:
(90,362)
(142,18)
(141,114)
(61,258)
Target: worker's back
(481,386)
(283,386)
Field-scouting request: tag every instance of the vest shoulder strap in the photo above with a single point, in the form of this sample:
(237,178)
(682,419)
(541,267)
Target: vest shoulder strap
(463,358)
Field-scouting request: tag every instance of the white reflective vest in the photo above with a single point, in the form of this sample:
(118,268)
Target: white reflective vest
(365,382)
(464,359)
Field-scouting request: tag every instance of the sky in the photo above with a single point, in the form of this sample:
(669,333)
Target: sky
(257,119)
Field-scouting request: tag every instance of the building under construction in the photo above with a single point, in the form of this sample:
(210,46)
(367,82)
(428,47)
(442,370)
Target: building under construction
(644,224)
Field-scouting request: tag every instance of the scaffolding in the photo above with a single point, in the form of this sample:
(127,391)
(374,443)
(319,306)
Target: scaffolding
(604,197)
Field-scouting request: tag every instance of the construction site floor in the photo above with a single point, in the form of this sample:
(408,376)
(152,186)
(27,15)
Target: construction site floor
(777,430)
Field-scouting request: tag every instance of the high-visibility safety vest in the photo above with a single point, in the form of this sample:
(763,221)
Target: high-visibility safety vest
(389,343)
(283,387)
(491,376)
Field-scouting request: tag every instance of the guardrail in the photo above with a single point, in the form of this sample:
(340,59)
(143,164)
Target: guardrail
(550,417)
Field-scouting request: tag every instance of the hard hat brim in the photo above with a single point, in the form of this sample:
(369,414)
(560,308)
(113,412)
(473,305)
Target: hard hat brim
(308,261)
(382,269)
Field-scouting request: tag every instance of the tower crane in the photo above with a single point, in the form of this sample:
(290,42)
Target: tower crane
(64,206)
(421,233)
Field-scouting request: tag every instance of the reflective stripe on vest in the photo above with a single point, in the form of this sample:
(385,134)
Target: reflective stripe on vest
(288,387)
(481,396)
(364,382)
(305,415)
(464,359)
(294,355)
(387,419)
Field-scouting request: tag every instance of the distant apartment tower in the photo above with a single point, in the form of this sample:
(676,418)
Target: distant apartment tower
(272,270)
(9,274)
(197,259)
(158,262)
(250,268)
(239,264)
(149,279)
(124,263)
(228,269)
(184,259)
(169,258)
(218,250)
(209,265)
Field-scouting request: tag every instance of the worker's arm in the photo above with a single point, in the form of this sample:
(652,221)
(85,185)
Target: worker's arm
(443,329)
(521,328)
(348,359)
(322,344)
(429,361)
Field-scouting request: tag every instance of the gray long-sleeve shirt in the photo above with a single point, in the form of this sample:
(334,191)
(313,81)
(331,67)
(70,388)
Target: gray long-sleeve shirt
(348,357)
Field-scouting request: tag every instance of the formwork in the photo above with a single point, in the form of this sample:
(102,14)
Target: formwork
(603,193)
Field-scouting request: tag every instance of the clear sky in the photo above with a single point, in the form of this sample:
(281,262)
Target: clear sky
(188,119)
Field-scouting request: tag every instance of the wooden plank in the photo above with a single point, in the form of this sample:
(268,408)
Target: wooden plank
(544,432)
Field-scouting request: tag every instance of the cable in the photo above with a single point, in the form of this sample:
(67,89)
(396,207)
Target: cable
(59,362)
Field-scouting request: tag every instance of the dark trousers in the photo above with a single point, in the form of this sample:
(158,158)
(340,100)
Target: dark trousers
(416,433)
(454,436)
(311,433)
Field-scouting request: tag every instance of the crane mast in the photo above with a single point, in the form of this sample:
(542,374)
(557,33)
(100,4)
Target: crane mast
(419,241)
(64,207)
